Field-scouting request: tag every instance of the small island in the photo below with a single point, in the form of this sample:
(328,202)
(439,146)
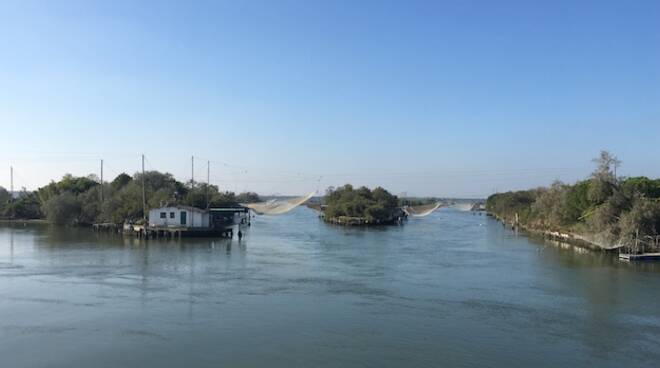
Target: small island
(361,207)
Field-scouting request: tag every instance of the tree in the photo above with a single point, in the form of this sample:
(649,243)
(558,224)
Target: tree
(603,179)
(643,185)
(508,205)
(120,181)
(126,204)
(606,165)
(27,206)
(248,197)
(4,196)
(76,185)
(197,196)
(642,220)
(90,206)
(63,209)
(550,205)
(577,202)
(224,199)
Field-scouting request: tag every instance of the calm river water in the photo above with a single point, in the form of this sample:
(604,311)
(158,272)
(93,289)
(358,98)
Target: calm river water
(452,289)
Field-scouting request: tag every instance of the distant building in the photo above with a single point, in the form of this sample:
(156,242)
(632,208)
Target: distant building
(179,216)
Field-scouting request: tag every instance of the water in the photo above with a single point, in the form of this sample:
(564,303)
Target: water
(451,289)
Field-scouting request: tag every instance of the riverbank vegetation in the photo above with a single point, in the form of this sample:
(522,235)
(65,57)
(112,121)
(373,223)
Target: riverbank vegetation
(362,206)
(84,200)
(607,210)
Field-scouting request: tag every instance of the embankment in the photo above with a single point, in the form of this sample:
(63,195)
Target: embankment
(591,242)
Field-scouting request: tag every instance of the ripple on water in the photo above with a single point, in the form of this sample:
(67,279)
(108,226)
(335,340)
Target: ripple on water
(450,289)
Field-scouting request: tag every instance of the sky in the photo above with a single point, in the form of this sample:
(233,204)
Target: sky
(426,98)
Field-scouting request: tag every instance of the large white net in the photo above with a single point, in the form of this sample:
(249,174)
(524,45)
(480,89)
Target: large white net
(422,210)
(278,206)
(462,206)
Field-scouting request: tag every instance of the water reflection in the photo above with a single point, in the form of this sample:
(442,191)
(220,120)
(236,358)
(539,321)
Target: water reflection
(450,289)
(600,287)
(11,245)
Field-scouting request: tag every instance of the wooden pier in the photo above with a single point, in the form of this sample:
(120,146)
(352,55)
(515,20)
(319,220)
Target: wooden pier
(166,232)
(107,227)
(640,257)
(188,232)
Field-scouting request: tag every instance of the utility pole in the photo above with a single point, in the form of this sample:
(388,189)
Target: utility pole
(144,195)
(208,181)
(192,171)
(11,179)
(616,163)
(101,194)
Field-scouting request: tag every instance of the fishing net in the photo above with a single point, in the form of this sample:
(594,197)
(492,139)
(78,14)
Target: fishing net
(603,239)
(462,206)
(421,211)
(278,206)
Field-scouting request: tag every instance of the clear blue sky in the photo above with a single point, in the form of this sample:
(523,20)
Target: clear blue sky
(450,98)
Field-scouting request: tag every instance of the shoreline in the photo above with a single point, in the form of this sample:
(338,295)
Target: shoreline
(24,221)
(566,237)
(359,221)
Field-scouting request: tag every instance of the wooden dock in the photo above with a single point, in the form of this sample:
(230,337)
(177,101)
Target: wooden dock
(640,257)
(171,232)
(189,232)
(107,227)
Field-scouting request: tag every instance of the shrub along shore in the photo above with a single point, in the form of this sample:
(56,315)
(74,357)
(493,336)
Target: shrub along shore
(602,212)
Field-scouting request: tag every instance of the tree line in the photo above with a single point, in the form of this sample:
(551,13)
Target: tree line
(84,200)
(620,210)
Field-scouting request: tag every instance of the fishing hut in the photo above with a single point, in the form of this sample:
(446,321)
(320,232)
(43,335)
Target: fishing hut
(186,221)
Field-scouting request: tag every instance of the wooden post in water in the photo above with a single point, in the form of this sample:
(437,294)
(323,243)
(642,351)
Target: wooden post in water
(144,195)
(517,220)
(101,193)
(208,182)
